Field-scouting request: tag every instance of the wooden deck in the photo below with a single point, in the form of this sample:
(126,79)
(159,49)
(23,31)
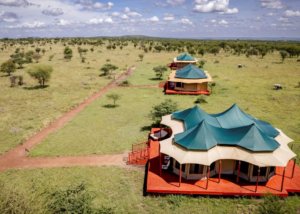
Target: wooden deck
(169,91)
(168,183)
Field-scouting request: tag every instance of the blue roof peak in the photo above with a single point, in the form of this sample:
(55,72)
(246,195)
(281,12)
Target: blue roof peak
(185,57)
(190,72)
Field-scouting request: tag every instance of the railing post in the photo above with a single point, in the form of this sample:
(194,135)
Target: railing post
(220,169)
(293,167)
(258,172)
(207,176)
(238,174)
(282,181)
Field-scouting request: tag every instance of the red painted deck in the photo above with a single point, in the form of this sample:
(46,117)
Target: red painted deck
(169,91)
(168,183)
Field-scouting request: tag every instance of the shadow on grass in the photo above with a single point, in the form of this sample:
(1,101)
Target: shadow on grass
(155,79)
(110,106)
(37,87)
(149,127)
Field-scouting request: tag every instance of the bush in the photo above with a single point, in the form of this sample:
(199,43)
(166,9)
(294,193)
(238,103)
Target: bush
(272,205)
(13,201)
(8,67)
(166,107)
(200,100)
(42,73)
(125,83)
(74,199)
(114,97)
(68,53)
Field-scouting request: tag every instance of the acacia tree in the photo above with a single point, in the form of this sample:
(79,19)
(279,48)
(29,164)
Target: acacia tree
(8,67)
(42,73)
(159,71)
(114,97)
(283,55)
(108,68)
(166,107)
(141,56)
(68,53)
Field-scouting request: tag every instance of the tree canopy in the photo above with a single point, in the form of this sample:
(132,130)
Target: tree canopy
(8,67)
(42,73)
(166,107)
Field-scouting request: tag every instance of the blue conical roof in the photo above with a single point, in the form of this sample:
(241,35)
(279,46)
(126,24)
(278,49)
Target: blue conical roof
(232,127)
(185,57)
(190,72)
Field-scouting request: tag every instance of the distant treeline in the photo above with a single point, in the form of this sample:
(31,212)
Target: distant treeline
(148,44)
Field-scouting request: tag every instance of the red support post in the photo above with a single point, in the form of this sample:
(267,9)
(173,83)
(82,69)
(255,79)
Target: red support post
(239,171)
(160,164)
(258,172)
(207,176)
(220,169)
(293,168)
(180,171)
(282,181)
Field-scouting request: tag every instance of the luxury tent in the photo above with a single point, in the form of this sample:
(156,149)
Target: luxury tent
(188,80)
(182,60)
(231,143)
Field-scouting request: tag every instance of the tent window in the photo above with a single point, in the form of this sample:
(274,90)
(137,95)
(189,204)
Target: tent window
(177,165)
(179,85)
(196,169)
(244,167)
(212,166)
(263,171)
(272,170)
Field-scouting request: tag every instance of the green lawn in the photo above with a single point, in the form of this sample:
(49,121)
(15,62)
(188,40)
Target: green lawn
(103,130)
(118,189)
(24,110)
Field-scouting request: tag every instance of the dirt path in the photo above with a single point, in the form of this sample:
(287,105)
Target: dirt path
(16,157)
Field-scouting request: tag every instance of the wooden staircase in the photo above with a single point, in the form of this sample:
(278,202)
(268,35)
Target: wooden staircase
(139,154)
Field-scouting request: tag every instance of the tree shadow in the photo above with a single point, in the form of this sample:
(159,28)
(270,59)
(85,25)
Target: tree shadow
(37,87)
(149,127)
(110,106)
(155,79)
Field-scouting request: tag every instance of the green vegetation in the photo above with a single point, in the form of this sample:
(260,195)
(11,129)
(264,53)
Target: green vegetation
(114,98)
(107,69)
(68,53)
(8,67)
(41,73)
(166,107)
(112,190)
(159,71)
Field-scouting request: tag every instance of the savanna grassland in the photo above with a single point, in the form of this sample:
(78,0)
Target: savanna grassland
(99,129)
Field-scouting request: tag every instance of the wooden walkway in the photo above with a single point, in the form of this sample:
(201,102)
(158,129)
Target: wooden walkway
(168,183)
(169,91)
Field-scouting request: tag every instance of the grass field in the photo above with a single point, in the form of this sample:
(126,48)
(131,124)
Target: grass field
(25,110)
(249,87)
(120,190)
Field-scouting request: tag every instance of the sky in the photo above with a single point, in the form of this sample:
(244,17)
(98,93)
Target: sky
(160,18)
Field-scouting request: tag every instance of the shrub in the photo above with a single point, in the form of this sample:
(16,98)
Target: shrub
(159,71)
(166,107)
(68,53)
(125,83)
(200,100)
(74,199)
(114,97)
(13,201)
(272,205)
(8,67)
(107,69)
(42,73)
